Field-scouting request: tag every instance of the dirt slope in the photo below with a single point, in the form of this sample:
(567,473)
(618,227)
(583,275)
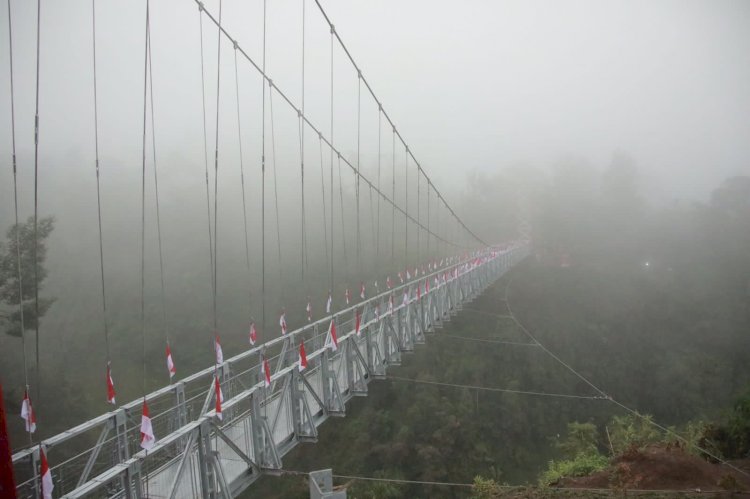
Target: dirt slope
(664,467)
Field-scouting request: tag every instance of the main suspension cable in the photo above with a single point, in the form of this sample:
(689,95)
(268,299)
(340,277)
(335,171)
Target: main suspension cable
(316,130)
(372,93)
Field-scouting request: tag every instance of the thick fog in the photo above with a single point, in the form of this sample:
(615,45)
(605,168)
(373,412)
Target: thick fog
(506,94)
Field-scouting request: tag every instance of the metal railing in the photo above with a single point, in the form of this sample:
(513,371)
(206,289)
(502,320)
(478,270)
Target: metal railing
(198,455)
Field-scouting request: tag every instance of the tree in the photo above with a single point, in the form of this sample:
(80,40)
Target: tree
(20,240)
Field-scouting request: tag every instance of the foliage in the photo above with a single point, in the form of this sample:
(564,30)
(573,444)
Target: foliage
(20,246)
(581,465)
(632,431)
(731,438)
(485,488)
(581,438)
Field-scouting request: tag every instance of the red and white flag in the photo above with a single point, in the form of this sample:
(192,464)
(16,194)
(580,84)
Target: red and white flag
(253,337)
(388,282)
(437,282)
(346,295)
(427,285)
(302,361)
(357,321)
(329,303)
(170,363)
(376,286)
(147,431)
(401,277)
(390,304)
(362,291)
(219,397)
(308,309)
(217,348)
(406,297)
(282,322)
(47,485)
(419,292)
(110,386)
(266,373)
(377,311)
(408,275)
(27,413)
(332,340)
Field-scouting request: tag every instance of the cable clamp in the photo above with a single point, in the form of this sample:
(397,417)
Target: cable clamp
(333,29)
(235,44)
(359,73)
(299,113)
(380,107)
(201,8)
(270,83)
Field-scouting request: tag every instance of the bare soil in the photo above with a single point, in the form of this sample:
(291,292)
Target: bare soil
(666,468)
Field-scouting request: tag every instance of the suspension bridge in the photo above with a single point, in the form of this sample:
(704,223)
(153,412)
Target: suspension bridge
(216,431)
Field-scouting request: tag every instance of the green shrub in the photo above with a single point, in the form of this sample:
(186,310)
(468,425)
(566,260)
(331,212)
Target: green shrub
(581,465)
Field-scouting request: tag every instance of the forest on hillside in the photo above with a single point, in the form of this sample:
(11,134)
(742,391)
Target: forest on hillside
(649,302)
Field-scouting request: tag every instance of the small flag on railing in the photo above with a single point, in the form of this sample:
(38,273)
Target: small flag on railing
(329,303)
(308,309)
(219,353)
(357,321)
(377,311)
(253,336)
(170,363)
(219,397)
(282,323)
(266,373)
(406,297)
(346,295)
(401,277)
(27,413)
(376,286)
(388,282)
(362,291)
(110,386)
(302,362)
(47,485)
(147,430)
(419,293)
(332,340)
(390,304)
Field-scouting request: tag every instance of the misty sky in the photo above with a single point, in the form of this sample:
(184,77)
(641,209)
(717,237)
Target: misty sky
(471,85)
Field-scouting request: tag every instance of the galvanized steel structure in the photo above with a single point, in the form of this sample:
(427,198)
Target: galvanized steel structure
(198,455)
